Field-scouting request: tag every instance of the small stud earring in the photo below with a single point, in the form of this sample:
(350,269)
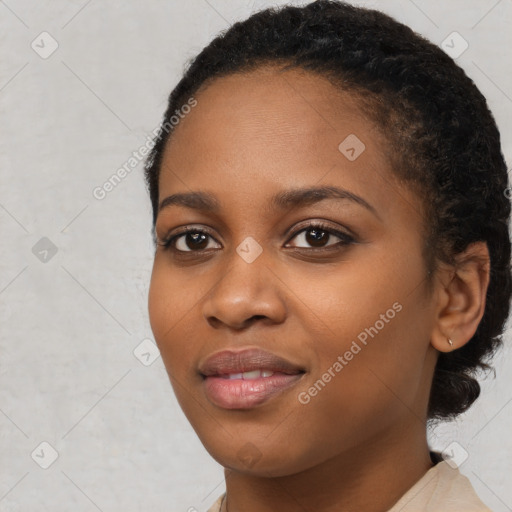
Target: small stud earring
(450,342)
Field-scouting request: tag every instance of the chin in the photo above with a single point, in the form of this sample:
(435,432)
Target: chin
(245,457)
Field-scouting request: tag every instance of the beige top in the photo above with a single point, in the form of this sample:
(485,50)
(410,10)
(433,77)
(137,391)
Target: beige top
(440,489)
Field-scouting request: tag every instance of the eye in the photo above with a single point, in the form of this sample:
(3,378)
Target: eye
(320,236)
(317,235)
(189,240)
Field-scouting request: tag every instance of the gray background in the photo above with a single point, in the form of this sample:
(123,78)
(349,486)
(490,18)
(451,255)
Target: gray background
(71,319)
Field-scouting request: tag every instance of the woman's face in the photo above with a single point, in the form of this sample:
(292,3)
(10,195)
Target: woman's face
(345,304)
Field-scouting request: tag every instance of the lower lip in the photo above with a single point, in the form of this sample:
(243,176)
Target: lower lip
(245,394)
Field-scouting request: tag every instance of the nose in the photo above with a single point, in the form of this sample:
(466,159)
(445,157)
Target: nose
(246,293)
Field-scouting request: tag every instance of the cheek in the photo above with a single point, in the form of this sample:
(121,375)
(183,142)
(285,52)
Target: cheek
(375,385)
(375,320)
(169,305)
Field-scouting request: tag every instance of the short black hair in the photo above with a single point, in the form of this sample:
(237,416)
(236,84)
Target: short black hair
(446,145)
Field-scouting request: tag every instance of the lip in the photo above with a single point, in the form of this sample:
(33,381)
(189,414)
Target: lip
(239,393)
(246,360)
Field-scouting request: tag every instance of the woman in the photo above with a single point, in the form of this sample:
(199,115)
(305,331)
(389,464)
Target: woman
(332,258)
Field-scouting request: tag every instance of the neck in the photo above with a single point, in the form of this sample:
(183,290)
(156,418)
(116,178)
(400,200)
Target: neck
(370,478)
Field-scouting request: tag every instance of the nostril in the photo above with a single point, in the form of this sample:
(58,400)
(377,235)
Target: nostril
(216,322)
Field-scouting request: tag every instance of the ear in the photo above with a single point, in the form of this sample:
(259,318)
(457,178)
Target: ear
(461,299)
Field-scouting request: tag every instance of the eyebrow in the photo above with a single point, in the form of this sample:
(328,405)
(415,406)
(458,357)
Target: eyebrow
(287,199)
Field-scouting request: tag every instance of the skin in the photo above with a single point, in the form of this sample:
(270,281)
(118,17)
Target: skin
(360,443)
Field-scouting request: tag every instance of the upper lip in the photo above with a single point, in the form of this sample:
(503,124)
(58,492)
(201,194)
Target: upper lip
(246,360)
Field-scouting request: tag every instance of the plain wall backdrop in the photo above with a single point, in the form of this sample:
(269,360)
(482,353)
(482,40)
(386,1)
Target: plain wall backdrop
(83,83)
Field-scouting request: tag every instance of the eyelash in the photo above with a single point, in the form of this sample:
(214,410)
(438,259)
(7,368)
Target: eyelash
(168,244)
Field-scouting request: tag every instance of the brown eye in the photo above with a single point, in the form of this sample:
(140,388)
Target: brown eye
(319,236)
(316,237)
(192,240)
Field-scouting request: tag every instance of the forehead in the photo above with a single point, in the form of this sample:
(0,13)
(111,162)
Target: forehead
(283,109)
(267,130)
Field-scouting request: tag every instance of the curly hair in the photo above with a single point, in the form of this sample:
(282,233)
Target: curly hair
(446,145)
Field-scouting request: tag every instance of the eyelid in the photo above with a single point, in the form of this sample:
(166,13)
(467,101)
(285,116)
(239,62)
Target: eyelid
(296,229)
(169,241)
(183,230)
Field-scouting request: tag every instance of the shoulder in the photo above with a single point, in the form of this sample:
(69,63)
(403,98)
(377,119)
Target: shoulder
(441,489)
(216,506)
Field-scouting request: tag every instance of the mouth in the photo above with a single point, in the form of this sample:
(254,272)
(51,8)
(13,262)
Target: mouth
(247,378)
(250,375)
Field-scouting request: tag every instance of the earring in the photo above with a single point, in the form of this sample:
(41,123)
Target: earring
(450,342)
